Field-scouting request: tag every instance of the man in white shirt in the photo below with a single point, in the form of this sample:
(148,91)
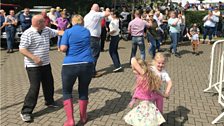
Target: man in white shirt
(216,12)
(92,21)
(209,25)
(34,45)
(52,17)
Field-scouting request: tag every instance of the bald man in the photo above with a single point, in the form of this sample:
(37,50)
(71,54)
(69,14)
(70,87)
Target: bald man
(34,45)
(92,21)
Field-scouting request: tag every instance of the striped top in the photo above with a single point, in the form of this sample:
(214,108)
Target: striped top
(38,44)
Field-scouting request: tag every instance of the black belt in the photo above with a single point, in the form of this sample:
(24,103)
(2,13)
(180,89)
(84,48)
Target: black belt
(95,37)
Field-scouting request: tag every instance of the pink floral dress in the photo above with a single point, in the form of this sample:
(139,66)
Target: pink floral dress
(145,114)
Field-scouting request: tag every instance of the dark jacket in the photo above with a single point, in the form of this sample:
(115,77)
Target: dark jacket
(25,21)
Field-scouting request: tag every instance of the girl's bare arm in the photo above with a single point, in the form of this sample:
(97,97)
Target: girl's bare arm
(168,88)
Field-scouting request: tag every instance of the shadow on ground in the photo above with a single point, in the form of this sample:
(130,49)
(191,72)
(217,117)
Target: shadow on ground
(110,68)
(177,117)
(107,50)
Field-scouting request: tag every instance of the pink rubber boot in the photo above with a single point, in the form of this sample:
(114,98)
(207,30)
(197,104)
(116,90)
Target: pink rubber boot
(68,107)
(82,110)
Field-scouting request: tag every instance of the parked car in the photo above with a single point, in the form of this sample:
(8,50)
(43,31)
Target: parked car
(8,7)
(33,11)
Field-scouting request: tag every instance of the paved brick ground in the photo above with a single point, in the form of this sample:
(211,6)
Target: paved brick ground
(110,94)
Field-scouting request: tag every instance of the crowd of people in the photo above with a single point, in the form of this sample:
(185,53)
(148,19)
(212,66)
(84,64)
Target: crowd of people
(56,18)
(82,40)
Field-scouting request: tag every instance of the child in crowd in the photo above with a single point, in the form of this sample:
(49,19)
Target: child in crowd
(194,33)
(147,91)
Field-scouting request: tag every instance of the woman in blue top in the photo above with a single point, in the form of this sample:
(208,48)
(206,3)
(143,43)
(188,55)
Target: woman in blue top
(78,63)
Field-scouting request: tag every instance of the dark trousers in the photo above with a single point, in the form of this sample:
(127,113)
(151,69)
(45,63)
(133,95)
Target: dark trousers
(103,37)
(10,36)
(37,75)
(95,48)
(113,50)
(208,31)
(69,75)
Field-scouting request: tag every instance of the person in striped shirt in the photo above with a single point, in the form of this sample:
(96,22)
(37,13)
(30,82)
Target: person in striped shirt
(34,45)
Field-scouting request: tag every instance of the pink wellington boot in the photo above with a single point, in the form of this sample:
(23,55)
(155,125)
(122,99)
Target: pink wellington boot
(82,110)
(68,107)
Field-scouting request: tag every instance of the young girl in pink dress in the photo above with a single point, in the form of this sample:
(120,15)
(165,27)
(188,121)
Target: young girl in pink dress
(147,91)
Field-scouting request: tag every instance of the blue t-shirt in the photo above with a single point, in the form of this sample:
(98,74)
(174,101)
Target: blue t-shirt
(77,39)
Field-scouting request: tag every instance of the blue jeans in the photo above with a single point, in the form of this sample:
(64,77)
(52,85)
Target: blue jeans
(208,31)
(95,48)
(113,50)
(154,44)
(138,41)
(174,40)
(69,75)
(10,36)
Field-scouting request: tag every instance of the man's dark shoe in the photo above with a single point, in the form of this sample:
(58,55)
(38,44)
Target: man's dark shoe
(26,117)
(53,105)
(170,50)
(159,50)
(178,55)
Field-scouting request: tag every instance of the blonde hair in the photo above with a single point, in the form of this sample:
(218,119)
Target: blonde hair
(157,57)
(77,19)
(153,81)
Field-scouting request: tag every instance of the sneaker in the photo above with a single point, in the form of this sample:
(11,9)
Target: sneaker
(53,105)
(11,51)
(26,117)
(8,51)
(117,69)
